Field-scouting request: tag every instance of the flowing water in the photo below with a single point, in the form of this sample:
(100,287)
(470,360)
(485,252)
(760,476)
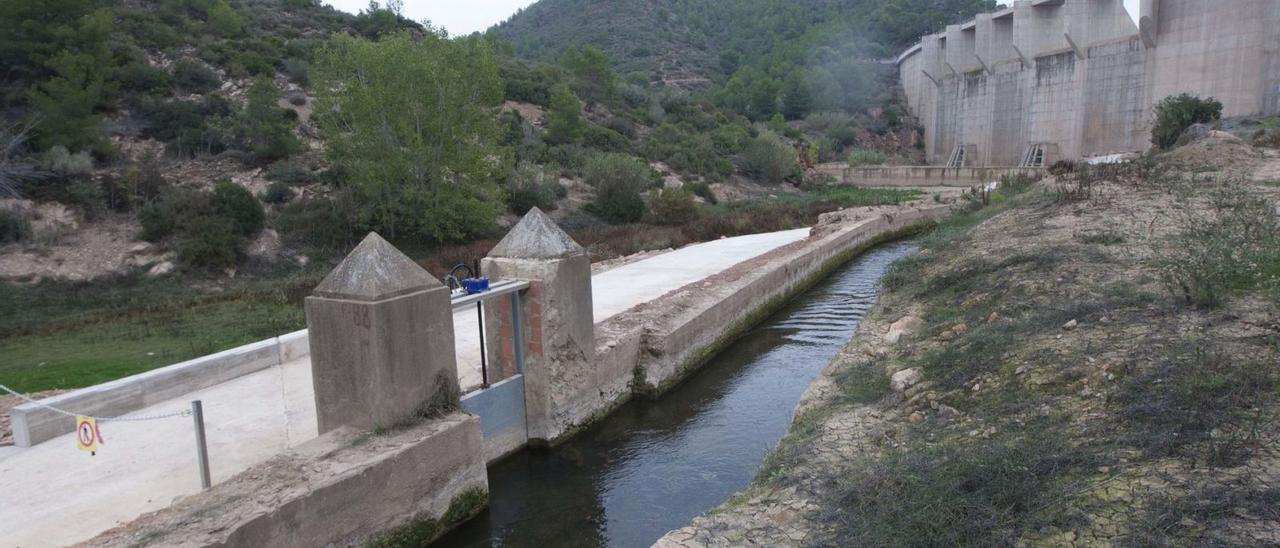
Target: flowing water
(654,465)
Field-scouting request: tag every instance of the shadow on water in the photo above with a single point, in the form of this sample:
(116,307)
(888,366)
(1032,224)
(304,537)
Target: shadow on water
(654,465)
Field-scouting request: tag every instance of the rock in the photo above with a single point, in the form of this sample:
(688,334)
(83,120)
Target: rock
(948,411)
(916,417)
(141,248)
(162,268)
(906,378)
(993,317)
(960,329)
(1070,325)
(266,245)
(906,326)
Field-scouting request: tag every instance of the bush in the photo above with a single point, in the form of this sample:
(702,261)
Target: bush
(14,226)
(61,162)
(277,193)
(605,139)
(139,77)
(209,241)
(237,204)
(1175,114)
(531,186)
(703,190)
(297,98)
(619,180)
(769,158)
(191,76)
(293,172)
(1230,246)
(297,71)
(864,157)
(671,206)
(323,225)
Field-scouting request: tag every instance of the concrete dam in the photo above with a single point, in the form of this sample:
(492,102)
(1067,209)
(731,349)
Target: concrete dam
(1046,80)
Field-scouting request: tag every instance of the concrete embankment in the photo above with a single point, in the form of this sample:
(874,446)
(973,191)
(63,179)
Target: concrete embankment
(660,342)
(924,176)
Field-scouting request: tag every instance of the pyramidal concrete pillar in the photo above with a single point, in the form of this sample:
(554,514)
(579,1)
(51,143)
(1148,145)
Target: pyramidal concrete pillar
(381,334)
(561,389)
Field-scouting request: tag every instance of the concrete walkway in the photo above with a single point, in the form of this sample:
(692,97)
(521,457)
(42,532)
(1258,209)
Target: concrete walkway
(53,494)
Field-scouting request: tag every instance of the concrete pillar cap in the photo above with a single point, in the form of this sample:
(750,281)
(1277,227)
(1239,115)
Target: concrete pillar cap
(536,236)
(373,271)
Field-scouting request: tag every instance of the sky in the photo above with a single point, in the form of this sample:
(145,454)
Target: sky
(459,17)
(462,17)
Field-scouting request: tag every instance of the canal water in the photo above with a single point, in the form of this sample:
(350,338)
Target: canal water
(654,465)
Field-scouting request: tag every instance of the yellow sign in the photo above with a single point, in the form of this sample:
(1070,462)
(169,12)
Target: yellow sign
(87,434)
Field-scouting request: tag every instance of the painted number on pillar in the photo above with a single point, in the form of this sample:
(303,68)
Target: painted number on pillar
(360,316)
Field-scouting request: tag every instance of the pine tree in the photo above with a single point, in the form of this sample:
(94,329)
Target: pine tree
(564,117)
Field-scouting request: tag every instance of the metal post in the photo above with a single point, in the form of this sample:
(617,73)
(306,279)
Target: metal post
(517,331)
(202,449)
(484,369)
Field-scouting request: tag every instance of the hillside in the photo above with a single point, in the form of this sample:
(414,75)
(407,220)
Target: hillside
(693,43)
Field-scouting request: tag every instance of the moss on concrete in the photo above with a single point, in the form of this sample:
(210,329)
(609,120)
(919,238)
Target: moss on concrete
(424,529)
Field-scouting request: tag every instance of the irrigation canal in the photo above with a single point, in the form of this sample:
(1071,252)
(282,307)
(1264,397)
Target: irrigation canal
(654,465)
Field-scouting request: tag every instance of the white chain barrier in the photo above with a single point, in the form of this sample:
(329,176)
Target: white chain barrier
(28,399)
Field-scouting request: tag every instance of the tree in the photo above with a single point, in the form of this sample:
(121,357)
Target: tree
(224,20)
(55,57)
(1176,113)
(409,122)
(618,180)
(565,123)
(769,158)
(797,98)
(265,129)
(593,80)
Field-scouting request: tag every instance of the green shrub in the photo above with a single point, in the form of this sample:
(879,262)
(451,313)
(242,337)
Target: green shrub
(209,242)
(605,139)
(61,162)
(297,71)
(161,217)
(531,186)
(140,77)
(702,190)
(864,157)
(1175,114)
(618,180)
(88,196)
(769,158)
(237,204)
(323,225)
(292,171)
(1229,245)
(192,76)
(15,226)
(277,193)
(671,206)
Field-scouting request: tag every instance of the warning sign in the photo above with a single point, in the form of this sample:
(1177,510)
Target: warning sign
(87,434)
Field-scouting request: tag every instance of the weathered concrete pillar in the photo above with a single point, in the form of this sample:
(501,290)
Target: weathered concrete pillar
(381,333)
(561,388)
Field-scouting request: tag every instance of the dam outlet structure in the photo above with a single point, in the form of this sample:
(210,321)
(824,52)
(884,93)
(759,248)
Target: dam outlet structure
(1048,80)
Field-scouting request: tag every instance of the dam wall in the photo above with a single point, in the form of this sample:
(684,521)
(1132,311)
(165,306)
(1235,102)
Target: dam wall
(1046,80)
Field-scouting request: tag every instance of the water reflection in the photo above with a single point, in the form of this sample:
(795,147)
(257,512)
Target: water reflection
(653,466)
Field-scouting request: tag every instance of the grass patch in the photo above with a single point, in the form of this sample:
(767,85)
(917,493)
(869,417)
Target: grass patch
(70,335)
(1101,237)
(1192,519)
(1199,402)
(863,383)
(958,493)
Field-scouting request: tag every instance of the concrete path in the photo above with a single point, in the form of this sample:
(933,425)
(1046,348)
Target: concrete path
(53,494)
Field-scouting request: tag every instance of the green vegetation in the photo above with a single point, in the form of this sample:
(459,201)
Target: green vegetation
(395,112)
(862,157)
(565,124)
(68,335)
(618,181)
(1177,113)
